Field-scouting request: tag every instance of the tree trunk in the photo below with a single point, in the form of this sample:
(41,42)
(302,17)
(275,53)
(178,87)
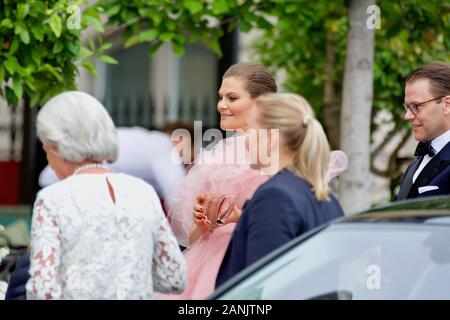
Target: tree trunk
(355,183)
(27,164)
(332,109)
(33,156)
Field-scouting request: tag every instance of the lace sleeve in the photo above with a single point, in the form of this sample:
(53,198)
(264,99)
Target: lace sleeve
(169,266)
(45,254)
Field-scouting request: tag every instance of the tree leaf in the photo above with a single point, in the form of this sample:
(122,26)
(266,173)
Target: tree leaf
(10,96)
(394,29)
(166,36)
(95,23)
(193,6)
(215,46)
(74,48)
(35,98)
(157,19)
(30,83)
(56,25)
(153,49)
(107,59)
(148,35)
(24,36)
(91,43)
(85,53)
(105,46)
(7,24)
(14,46)
(131,41)
(89,67)
(12,65)
(2,74)
(177,49)
(127,15)
(113,10)
(38,33)
(36,56)
(58,47)
(220,7)
(291,8)
(22,10)
(52,70)
(263,23)
(245,25)
(18,89)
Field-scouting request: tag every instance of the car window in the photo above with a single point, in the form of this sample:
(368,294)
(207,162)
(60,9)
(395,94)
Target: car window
(358,261)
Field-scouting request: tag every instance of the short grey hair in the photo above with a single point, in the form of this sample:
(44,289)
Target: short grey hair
(79,126)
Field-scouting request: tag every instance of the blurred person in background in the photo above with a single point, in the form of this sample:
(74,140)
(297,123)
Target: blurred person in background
(145,154)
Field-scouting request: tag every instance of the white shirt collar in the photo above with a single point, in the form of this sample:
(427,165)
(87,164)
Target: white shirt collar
(441,141)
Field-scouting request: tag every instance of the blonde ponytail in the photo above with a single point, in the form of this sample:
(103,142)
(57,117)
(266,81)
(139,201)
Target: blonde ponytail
(303,136)
(311,159)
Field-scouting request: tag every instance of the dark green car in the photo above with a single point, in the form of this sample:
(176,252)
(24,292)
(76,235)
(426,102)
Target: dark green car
(397,251)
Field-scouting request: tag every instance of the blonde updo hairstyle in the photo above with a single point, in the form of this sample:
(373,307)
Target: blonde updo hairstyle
(302,135)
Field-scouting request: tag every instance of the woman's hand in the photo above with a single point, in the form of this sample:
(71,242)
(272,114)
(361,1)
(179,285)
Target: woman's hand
(214,210)
(200,215)
(202,218)
(210,212)
(206,210)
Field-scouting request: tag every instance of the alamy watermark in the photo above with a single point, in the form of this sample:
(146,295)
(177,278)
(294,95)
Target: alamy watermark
(374,19)
(374,279)
(257,148)
(74,19)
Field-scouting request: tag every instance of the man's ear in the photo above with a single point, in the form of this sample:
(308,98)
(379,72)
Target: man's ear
(446,101)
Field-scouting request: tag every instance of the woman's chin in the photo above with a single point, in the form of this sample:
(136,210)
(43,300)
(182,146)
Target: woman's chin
(226,125)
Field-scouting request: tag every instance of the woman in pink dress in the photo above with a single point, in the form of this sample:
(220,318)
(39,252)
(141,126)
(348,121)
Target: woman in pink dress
(223,173)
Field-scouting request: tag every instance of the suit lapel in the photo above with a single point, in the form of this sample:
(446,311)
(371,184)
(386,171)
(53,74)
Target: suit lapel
(405,187)
(439,162)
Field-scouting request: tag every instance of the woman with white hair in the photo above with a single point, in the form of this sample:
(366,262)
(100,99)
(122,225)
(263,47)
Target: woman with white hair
(96,234)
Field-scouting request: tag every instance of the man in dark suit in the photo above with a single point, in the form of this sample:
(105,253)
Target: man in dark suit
(16,288)
(427,107)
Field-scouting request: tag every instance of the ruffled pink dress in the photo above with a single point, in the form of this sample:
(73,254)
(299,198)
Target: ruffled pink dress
(224,170)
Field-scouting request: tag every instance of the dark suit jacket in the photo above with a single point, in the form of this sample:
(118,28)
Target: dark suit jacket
(435,174)
(16,288)
(281,209)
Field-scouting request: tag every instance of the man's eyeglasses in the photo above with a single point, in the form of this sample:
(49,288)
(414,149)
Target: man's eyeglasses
(414,107)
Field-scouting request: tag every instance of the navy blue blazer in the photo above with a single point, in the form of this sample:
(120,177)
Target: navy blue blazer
(435,175)
(16,288)
(281,209)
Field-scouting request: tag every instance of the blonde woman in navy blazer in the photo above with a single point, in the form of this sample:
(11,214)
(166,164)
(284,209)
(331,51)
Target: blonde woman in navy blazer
(297,197)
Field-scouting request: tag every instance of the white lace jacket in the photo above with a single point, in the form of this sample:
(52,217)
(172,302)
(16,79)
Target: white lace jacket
(86,246)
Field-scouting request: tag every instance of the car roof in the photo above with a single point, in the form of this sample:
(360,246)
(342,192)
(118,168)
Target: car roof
(419,210)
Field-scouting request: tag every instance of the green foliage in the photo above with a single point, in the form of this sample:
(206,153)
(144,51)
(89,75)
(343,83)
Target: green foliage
(297,44)
(182,22)
(412,32)
(40,47)
(39,53)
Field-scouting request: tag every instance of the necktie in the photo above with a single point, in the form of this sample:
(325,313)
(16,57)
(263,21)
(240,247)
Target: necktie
(424,148)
